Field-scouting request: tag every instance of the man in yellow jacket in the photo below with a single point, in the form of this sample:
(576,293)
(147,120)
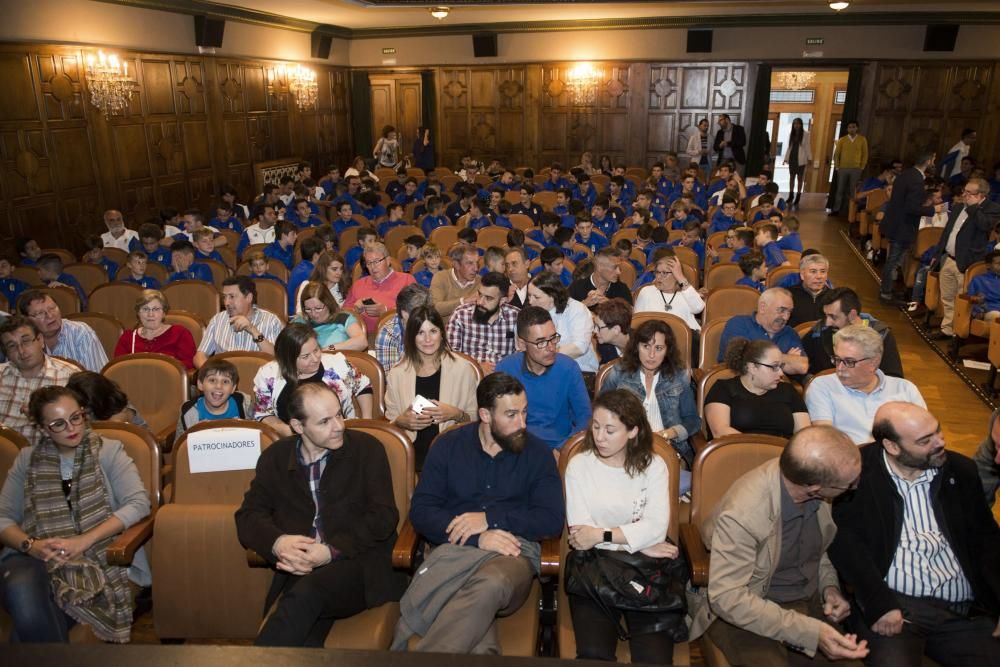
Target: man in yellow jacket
(850,157)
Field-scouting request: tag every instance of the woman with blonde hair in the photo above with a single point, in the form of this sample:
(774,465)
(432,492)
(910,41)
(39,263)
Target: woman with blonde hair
(153,334)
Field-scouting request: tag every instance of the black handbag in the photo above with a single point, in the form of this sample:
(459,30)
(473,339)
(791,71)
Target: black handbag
(622,581)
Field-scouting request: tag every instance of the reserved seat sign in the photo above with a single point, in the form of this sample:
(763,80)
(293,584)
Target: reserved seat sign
(222,449)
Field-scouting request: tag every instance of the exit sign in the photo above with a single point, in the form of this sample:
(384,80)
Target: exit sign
(388,51)
(814,41)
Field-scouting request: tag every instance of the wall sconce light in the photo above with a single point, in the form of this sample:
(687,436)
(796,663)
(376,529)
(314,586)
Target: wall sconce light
(440,13)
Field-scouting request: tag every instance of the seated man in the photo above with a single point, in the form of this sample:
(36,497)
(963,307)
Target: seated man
(374,294)
(987,460)
(770,322)
(389,343)
(260,232)
(217,382)
(241,326)
(603,283)
(806,296)
(454,287)
(848,400)
(559,403)
(842,308)
(328,529)
(919,548)
(185,268)
(488,494)
(117,236)
(486,328)
(63,338)
(773,594)
(27,368)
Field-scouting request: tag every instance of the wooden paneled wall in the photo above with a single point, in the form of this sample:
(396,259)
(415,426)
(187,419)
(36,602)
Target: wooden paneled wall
(526,114)
(195,124)
(908,107)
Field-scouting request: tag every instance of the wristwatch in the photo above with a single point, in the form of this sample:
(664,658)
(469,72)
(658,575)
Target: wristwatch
(259,339)
(608,537)
(26,545)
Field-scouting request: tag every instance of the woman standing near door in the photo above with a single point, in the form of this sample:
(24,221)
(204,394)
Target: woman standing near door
(797,156)
(387,149)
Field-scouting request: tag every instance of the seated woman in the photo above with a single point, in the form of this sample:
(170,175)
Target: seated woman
(330,540)
(63,503)
(671,293)
(335,328)
(573,320)
(152,334)
(298,359)
(756,401)
(103,399)
(329,270)
(430,370)
(616,486)
(651,369)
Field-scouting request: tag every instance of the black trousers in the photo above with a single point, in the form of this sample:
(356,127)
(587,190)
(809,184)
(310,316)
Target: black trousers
(308,605)
(597,635)
(936,629)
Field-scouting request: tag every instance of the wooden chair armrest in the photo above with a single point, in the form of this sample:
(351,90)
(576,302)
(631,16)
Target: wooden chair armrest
(699,441)
(166,437)
(254,559)
(550,556)
(697,374)
(962,321)
(405,549)
(122,550)
(696,554)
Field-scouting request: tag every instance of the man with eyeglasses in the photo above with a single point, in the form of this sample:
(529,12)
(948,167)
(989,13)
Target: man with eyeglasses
(372,296)
(964,241)
(63,338)
(919,548)
(773,597)
(27,369)
(556,392)
(849,398)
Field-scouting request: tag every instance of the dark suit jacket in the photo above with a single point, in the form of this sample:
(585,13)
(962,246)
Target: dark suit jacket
(972,243)
(870,520)
(906,207)
(738,144)
(358,510)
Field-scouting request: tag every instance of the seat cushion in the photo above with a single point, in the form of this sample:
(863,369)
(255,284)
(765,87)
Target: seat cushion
(371,630)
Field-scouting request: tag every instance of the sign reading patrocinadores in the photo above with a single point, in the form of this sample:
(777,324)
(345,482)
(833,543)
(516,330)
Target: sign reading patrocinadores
(220,449)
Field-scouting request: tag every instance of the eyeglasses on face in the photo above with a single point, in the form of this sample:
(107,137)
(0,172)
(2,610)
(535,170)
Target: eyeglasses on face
(774,367)
(60,425)
(374,262)
(849,363)
(543,343)
(25,341)
(148,310)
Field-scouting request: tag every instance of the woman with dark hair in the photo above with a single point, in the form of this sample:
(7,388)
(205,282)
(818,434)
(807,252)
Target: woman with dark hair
(651,369)
(429,370)
(335,328)
(616,500)
(359,168)
(423,150)
(756,401)
(298,359)
(63,503)
(104,399)
(573,320)
(797,156)
(329,270)
(605,166)
(386,152)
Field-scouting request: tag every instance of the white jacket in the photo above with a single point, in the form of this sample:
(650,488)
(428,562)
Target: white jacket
(805,153)
(694,147)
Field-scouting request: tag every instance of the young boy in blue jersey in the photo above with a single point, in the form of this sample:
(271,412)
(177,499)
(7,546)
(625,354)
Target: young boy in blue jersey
(409,193)
(624,249)
(345,218)
(10,287)
(413,244)
(527,206)
(644,200)
(203,241)
(431,256)
(283,247)
(790,234)
(466,193)
(367,238)
(395,219)
(586,235)
(741,242)
(396,187)
(552,260)
(134,271)
(301,214)
(984,289)
(565,237)
(185,268)
(225,219)
(477,215)
(603,221)
(492,260)
(720,183)
(545,236)
(724,218)
(693,238)
(766,239)
(435,216)
(260,267)
(555,181)
(151,243)
(217,383)
(29,251)
(94,254)
(563,197)
(50,272)
(516,239)
(754,268)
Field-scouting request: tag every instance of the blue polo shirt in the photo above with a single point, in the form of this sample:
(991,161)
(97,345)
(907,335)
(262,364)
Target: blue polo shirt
(553,186)
(373,213)
(595,242)
(746,326)
(353,255)
(430,223)
(311,221)
(790,241)
(746,281)
(559,405)
(986,285)
(233,223)
(739,252)
(772,253)
(284,255)
(565,277)
(606,225)
(146,282)
(384,228)
(721,223)
(340,225)
(198,254)
(12,289)
(195,272)
(480,222)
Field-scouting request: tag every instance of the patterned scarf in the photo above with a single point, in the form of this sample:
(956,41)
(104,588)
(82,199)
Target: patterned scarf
(86,588)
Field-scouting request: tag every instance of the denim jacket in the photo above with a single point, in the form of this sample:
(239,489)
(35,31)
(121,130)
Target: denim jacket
(675,398)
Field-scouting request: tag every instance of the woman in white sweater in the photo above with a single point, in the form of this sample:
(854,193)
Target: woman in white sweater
(616,499)
(573,320)
(671,293)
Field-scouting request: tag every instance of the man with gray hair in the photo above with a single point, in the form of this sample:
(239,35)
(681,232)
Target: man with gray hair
(964,241)
(389,343)
(814,271)
(769,322)
(372,296)
(456,286)
(848,399)
(117,235)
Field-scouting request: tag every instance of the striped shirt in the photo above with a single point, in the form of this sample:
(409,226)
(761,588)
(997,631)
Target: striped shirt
(389,344)
(15,390)
(220,336)
(924,564)
(77,341)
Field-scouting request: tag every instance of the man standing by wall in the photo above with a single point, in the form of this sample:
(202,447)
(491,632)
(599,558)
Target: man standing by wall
(850,157)
(730,144)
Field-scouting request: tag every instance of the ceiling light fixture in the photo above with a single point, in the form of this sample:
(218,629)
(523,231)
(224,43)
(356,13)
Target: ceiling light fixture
(440,13)
(837,6)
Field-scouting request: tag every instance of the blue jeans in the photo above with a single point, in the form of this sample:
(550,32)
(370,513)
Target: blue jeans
(894,260)
(26,594)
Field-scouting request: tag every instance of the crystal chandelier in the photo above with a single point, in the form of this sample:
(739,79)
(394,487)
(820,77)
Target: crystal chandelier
(795,80)
(302,83)
(582,82)
(110,87)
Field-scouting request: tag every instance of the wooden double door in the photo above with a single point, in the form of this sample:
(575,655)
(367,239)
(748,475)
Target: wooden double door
(397,100)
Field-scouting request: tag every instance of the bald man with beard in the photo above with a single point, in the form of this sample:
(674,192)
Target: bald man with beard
(919,547)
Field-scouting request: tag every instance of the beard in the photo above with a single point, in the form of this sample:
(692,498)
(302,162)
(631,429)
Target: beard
(512,442)
(925,462)
(482,316)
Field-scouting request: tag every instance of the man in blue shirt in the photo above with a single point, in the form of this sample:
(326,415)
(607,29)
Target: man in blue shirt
(303,215)
(555,181)
(185,268)
(724,218)
(526,206)
(488,486)
(603,221)
(769,322)
(283,247)
(559,402)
